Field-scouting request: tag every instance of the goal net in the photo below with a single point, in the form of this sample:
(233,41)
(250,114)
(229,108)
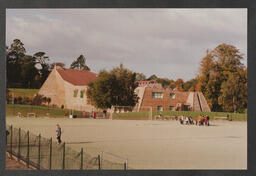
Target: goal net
(131,112)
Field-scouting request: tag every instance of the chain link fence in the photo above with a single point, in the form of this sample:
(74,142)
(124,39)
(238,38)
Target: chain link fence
(43,153)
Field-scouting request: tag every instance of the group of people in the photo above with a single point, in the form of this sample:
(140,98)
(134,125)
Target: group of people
(94,114)
(200,120)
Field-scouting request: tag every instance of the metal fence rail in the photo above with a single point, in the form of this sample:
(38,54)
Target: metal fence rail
(43,153)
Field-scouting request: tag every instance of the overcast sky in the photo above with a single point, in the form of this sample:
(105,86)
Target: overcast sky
(167,42)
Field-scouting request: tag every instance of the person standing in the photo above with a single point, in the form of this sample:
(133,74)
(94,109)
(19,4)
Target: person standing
(227,117)
(205,121)
(200,120)
(58,131)
(208,119)
(94,114)
(104,113)
(187,120)
(182,119)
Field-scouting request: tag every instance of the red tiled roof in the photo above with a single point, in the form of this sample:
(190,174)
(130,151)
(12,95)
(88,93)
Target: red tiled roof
(77,77)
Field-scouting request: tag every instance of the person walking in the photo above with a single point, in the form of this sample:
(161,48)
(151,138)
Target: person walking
(58,131)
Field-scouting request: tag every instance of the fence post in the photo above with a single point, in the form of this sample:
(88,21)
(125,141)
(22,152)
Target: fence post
(11,143)
(50,157)
(28,150)
(14,109)
(19,147)
(82,159)
(39,143)
(63,160)
(126,165)
(99,162)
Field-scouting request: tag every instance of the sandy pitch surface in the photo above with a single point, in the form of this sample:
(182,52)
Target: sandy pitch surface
(151,144)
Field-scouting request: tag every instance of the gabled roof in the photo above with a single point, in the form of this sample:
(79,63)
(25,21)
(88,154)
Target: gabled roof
(77,77)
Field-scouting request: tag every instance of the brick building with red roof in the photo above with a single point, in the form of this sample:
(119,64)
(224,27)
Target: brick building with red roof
(152,94)
(67,88)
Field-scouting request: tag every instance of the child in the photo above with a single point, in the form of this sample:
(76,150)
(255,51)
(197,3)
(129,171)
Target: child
(181,120)
(205,121)
(58,131)
(187,120)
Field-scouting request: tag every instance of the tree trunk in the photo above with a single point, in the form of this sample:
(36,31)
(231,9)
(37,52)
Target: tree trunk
(234,104)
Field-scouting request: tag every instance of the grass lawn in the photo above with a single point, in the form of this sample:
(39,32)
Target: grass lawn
(12,110)
(23,92)
(144,115)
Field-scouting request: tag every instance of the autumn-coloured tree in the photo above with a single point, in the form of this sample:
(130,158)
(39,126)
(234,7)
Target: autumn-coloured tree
(140,77)
(165,82)
(191,85)
(220,71)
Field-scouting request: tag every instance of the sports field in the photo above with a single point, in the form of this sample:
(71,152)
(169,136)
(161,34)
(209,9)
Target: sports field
(151,144)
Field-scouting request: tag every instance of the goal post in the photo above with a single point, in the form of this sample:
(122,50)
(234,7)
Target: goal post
(131,112)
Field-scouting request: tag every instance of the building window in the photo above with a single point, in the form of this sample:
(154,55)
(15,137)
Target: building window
(157,95)
(160,108)
(172,95)
(75,93)
(171,108)
(82,93)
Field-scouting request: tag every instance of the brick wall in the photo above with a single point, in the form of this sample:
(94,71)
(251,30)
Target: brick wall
(187,98)
(166,101)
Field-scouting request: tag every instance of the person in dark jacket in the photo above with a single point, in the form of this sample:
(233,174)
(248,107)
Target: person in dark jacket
(104,114)
(58,132)
(208,119)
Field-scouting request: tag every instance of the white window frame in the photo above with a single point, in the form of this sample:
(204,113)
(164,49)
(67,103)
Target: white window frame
(157,94)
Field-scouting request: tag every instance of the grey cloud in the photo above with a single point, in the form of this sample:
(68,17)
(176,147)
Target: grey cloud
(166,42)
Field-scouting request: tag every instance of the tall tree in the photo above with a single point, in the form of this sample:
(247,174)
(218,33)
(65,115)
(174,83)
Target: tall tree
(28,71)
(59,64)
(207,80)
(79,64)
(14,56)
(140,77)
(113,88)
(233,95)
(152,77)
(45,68)
(220,70)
